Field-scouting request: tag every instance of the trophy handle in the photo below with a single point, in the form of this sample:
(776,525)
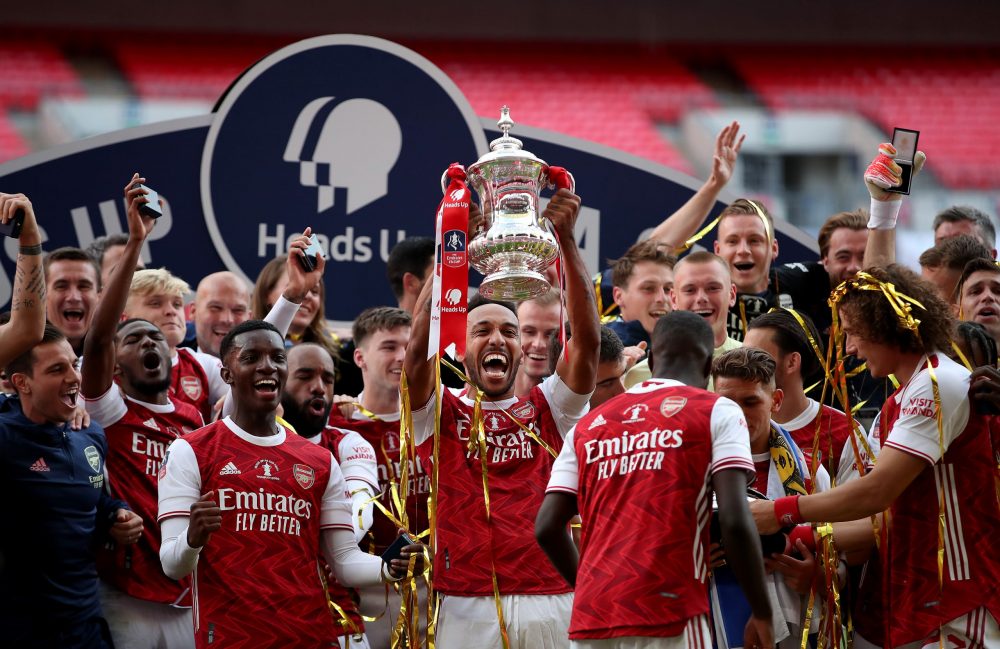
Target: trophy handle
(560,178)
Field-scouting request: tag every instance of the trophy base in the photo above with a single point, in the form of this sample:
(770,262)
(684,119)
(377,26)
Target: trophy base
(516,285)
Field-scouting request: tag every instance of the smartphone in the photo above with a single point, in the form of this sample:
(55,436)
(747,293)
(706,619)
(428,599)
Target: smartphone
(904,140)
(395,550)
(312,253)
(12,228)
(151,209)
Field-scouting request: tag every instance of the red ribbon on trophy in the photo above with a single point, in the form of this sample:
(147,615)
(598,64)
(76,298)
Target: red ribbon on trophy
(562,179)
(449,301)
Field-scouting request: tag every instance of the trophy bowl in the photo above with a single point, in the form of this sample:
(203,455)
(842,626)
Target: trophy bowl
(514,248)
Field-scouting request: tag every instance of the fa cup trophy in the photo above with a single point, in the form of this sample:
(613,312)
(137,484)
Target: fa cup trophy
(514,248)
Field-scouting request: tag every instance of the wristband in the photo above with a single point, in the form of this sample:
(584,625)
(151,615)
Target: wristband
(387,575)
(883,214)
(35,249)
(805,534)
(786,511)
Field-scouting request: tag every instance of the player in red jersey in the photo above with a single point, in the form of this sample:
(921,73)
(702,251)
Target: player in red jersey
(936,460)
(641,470)
(253,506)
(380,337)
(306,401)
(780,335)
(158,296)
(471,549)
(144,607)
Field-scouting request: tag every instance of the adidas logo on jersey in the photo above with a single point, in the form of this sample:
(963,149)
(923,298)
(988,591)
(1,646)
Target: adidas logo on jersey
(598,421)
(40,465)
(230,469)
(149,423)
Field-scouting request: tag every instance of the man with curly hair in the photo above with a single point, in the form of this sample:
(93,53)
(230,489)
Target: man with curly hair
(939,570)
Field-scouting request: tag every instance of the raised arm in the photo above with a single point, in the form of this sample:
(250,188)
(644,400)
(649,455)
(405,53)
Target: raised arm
(578,367)
(880,176)
(682,224)
(27,305)
(99,348)
(419,370)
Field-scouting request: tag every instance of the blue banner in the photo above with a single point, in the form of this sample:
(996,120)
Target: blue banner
(347,134)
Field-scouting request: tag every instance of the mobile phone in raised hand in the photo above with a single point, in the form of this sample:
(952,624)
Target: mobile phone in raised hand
(151,209)
(312,254)
(12,228)
(904,140)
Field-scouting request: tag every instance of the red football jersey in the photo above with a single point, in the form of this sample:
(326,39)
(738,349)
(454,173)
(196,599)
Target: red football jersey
(518,470)
(383,434)
(348,446)
(641,466)
(138,434)
(834,429)
(964,477)
(257,582)
(189,382)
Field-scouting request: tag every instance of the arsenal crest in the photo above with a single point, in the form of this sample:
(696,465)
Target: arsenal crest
(304,475)
(672,405)
(524,411)
(191,386)
(93,458)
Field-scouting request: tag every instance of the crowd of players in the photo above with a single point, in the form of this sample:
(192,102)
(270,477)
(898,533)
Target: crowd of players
(703,469)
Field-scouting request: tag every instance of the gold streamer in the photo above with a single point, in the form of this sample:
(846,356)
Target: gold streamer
(527,431)
(961,356)
(698,236)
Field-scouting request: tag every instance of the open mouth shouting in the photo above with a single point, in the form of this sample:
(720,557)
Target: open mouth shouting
(68,398)
(266,389)
(316,407)
(73,317)
(494,366)
(743,266)
(152,361)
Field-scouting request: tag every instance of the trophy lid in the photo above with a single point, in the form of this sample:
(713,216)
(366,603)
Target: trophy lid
(506,147)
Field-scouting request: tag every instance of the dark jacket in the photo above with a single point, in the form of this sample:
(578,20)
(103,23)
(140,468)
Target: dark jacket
(56,512)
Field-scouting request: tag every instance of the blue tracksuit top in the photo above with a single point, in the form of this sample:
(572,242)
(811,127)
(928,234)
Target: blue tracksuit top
(56,512)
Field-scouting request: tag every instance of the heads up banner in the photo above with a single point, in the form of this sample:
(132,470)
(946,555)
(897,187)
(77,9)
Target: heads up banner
(347,134)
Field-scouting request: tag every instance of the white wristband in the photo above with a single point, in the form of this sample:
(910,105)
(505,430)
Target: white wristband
(387,576)
(883,214)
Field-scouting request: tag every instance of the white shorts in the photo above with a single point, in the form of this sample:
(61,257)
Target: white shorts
(977,630)
(139,624)
(533,622)
(696,635)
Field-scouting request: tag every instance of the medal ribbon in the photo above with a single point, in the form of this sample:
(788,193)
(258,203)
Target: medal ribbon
(449,303)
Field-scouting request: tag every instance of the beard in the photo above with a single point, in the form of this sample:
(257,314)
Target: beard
(304,423)
(153,386)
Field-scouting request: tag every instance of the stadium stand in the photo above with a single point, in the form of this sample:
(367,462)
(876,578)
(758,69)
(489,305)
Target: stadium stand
(33,70)
(12,145)
(933,92)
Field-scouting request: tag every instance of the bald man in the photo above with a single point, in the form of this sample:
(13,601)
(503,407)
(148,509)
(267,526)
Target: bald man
(221,302)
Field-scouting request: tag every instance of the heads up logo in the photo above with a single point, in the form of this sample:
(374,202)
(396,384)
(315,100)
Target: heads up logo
(348,135)
(351,144)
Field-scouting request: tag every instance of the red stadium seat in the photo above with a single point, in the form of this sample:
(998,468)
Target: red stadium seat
(936,93)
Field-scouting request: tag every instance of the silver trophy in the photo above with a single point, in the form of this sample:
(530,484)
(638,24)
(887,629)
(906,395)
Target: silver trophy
(515,248)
